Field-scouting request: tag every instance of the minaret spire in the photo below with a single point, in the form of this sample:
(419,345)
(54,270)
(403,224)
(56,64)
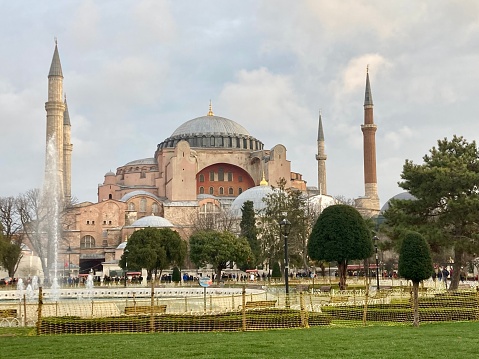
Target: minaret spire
(321,158)
(55,108)
(67,153)
(371,200)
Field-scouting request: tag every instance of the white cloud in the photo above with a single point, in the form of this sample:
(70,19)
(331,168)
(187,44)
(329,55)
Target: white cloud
(266,104)
(398,139)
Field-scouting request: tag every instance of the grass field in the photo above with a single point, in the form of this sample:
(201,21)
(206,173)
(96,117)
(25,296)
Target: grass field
(442,340)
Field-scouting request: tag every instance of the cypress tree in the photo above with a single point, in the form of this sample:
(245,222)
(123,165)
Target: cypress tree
(415,264)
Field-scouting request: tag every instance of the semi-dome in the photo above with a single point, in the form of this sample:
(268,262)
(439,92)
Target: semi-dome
(255,195)
(152,221)
(143,161)
(213,131)
(131,194)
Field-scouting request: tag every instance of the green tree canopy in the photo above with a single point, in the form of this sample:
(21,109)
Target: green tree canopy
(340,234)
(446,205)
(415,264)
(290,204)
(218,249)
(153,249)
(249,231)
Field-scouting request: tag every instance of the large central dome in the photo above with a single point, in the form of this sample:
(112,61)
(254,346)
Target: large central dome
(207,125)
(212,131)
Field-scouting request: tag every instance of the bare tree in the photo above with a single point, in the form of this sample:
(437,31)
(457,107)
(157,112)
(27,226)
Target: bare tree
(10,250)
(213,217)
(42,224)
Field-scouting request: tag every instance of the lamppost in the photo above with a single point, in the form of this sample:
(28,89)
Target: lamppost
(376,239)
(69,251)
(126,265)
(285,227)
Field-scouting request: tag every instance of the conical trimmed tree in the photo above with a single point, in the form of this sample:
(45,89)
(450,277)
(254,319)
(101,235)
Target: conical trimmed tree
(415,264)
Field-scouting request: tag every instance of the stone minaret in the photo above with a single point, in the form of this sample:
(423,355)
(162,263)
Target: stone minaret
(371,201)
(67,155)
(321,158)
(55,108)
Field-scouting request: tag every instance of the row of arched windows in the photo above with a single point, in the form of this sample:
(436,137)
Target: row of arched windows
(154,206)
(221,191)
(220,176)
(216,141)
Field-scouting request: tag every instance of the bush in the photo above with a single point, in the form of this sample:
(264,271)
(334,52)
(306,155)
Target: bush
(269,318)
(176,275)
(276,270)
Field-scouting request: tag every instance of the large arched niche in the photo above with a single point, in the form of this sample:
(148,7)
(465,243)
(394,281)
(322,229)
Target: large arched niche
(223,180)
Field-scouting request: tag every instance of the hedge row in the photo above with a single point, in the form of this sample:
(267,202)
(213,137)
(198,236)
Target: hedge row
(402,314)
(255,319)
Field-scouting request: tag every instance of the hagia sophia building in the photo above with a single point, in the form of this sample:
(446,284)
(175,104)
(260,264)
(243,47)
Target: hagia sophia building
(200,170)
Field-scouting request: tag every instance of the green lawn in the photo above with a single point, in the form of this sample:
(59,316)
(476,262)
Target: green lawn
(441,340)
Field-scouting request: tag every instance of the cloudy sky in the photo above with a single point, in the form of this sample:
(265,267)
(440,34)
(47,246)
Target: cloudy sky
(136,70)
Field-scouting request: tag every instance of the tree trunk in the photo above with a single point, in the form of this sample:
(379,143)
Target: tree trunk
(415,301)
(456,272)
(218,274)
(342,268)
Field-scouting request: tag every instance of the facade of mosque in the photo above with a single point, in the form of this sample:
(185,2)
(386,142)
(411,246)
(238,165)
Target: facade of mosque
(195,173)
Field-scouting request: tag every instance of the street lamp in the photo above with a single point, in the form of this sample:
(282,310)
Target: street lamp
(285,227)
(126,264)
(375,240)
(69,251)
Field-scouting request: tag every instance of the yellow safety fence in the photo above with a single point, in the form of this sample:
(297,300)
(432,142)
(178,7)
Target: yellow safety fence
(265,308)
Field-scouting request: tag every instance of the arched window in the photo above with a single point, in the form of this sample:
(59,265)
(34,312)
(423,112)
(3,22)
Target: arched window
(222,191)
(131,206)
(210,215)
(154,208)
(212,191)
(143,205)
(230,191)
(87,242)
(240,190)
(202,190)
(202,177)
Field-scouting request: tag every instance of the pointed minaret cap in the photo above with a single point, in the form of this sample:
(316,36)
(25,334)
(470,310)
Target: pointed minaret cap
(210,111)
(368,97)
(263,181)
(56,67)
(66,115)
(320,128)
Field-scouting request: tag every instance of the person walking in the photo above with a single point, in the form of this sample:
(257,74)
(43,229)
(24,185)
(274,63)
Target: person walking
(445,274)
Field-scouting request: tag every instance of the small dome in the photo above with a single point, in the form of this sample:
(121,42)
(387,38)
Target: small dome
(403,195)
(152,221)
(122,245)
(109,173)
(255,195)
(321,201)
